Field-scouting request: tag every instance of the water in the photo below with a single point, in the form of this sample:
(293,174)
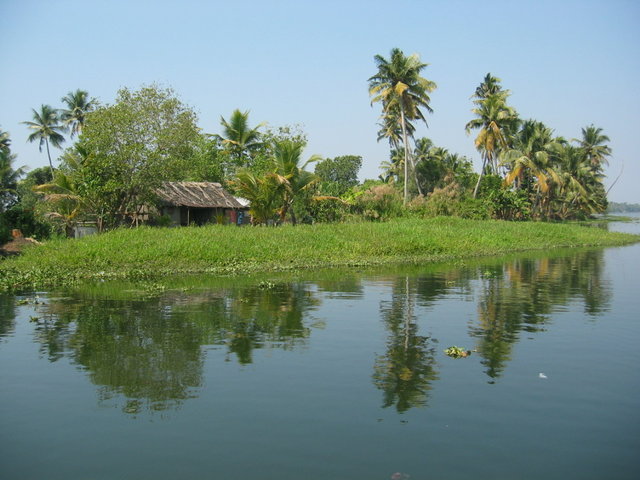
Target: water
(331,375)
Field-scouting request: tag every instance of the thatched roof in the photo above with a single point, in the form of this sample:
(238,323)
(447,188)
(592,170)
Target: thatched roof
(196,194)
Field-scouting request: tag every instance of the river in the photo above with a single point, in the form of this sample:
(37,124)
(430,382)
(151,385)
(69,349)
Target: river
(335,374)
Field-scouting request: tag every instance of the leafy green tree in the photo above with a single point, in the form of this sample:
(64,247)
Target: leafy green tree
(46,128)
(8,175)
(403,93)
(78,105)
(147,137)
(27,213)
(338,175)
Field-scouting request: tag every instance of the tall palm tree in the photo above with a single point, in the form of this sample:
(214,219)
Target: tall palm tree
(46,129)
(403,93)
(495,119)
(237,137)
(391,129)
(78,105)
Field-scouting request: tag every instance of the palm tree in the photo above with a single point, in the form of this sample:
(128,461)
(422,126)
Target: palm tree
(46,129)
(530,161)
(594,147)
(402,92)
(262,193)
(291,175)
(78,105)
(5,142)
(61,196)
(489,86)
(495,119)
(237,137)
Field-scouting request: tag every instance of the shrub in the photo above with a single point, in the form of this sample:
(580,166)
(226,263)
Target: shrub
(380,202)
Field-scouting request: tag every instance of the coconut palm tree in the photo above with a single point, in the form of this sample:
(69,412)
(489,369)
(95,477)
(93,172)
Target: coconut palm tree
(495,119)
(528,159)
(262,193)
(489,86)
(594,147)
(78,106)
(46,129)
(237,137)
(291,175)
(5,142)
(63,198)
(403,93)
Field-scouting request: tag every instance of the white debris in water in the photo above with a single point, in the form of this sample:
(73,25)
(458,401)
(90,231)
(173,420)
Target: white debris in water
(542,375)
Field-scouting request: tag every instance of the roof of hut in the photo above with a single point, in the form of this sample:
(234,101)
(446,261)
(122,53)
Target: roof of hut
(196,194)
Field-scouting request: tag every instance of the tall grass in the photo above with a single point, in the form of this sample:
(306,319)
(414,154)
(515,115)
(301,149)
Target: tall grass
(147,252)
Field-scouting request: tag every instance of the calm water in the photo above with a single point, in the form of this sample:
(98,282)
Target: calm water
(332,375)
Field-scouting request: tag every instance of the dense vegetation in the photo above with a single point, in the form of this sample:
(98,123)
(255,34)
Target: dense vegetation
(120,154)
(148,252)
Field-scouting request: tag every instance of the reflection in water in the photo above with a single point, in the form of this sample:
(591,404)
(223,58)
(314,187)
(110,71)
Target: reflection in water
(406,370)
(7,315)
(521,295)
(144,350)
(149,351)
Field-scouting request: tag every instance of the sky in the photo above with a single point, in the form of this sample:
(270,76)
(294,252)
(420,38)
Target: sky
(567,63)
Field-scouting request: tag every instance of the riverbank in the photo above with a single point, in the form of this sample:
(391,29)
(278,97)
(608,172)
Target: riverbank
(147,252)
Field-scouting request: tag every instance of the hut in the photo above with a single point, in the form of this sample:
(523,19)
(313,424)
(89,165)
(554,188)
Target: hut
(187,203)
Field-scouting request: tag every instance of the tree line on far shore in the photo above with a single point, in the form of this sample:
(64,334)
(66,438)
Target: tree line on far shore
(120,153)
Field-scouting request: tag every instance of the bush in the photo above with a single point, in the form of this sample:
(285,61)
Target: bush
(27,221)
(510,204)
(380,202)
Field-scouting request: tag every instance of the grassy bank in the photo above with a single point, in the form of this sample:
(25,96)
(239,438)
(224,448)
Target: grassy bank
(152,252)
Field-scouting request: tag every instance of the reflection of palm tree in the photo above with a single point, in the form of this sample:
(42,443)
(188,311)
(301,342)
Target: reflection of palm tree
(520,295)
(405,372)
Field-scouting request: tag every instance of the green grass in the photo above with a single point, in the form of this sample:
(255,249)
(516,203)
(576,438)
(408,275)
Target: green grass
(154,252)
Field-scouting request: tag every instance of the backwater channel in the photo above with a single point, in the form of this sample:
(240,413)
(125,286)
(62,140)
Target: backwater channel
(335,374)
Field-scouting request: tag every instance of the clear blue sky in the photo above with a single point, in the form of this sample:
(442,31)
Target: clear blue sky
(568,64)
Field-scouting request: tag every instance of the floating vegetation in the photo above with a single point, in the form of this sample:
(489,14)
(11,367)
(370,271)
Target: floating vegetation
(457,352)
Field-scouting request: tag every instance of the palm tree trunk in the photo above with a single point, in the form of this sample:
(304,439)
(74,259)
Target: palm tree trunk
(46,142)
(406,152)
(484,162)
